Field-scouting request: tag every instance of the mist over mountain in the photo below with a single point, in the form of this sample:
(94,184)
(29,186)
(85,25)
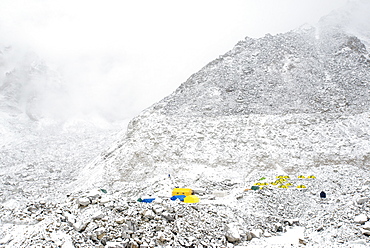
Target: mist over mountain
(31,88)
(284,102)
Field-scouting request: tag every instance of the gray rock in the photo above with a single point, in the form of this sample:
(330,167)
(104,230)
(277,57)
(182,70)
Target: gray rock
(94,194)
(232,233)
(79,226)
(83,201)
(100,232)
(168,216)
(70,218)
(98,215)
(292,222)
(149,214)
(362,200)
(248,236)
(365,232)
(199,191)
(133,244)
(158,209)
(120,220)
(144,245)
(219,193)
(366,226)
(359,242)
(362,218)
(105,199)
(111,244)
(256,233)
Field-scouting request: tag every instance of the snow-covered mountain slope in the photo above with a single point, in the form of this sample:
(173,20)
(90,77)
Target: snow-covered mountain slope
(284,102)
(293,104)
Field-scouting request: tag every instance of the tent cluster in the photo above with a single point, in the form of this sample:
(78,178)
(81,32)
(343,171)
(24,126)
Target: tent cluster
(185,195)
(261,184)
(182,194)
(282,182)
(309,177)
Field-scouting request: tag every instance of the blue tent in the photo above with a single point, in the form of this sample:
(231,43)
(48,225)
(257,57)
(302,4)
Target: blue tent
(146,200)
(180,197)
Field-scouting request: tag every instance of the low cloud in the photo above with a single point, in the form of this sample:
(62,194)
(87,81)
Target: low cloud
(115,58)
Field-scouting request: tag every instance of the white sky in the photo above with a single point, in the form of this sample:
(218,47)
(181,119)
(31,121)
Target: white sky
(121,56)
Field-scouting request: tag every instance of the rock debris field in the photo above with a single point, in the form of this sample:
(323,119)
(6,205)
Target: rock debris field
(227,217)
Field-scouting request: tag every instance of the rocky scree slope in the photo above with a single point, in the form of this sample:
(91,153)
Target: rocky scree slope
(282,102)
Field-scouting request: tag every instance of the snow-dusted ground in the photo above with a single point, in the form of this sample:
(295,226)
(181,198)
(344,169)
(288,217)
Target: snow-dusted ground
(38,160)
(40,204)
(226,216)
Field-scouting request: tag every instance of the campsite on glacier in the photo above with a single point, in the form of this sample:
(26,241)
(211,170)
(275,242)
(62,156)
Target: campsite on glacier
(269,144)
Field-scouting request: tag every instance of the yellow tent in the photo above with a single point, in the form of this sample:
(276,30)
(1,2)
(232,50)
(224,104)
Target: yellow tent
(301,177)
(283,186)
(286,177)
(280,177)
(181,191)
(311,177)
(289,184)
(301,186)
(191,199)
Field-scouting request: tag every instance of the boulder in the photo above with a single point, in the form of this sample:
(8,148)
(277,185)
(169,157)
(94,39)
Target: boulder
(256,233)
(100,233)
(292,222)
(232,233)
(365,232)
(359,242)
(105,199)
(199,191)
(248,236)
(158,209)
(362,218)
(133,244)
(83,201)
(149,214)
(120,220)
(219,193)
(71,219)
(80,226)
(97,215)
(362,200)
(144,245)
(94,194)
(366,226)
(111,244)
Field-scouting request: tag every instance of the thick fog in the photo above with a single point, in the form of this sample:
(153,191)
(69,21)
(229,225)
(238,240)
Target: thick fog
(114,58)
